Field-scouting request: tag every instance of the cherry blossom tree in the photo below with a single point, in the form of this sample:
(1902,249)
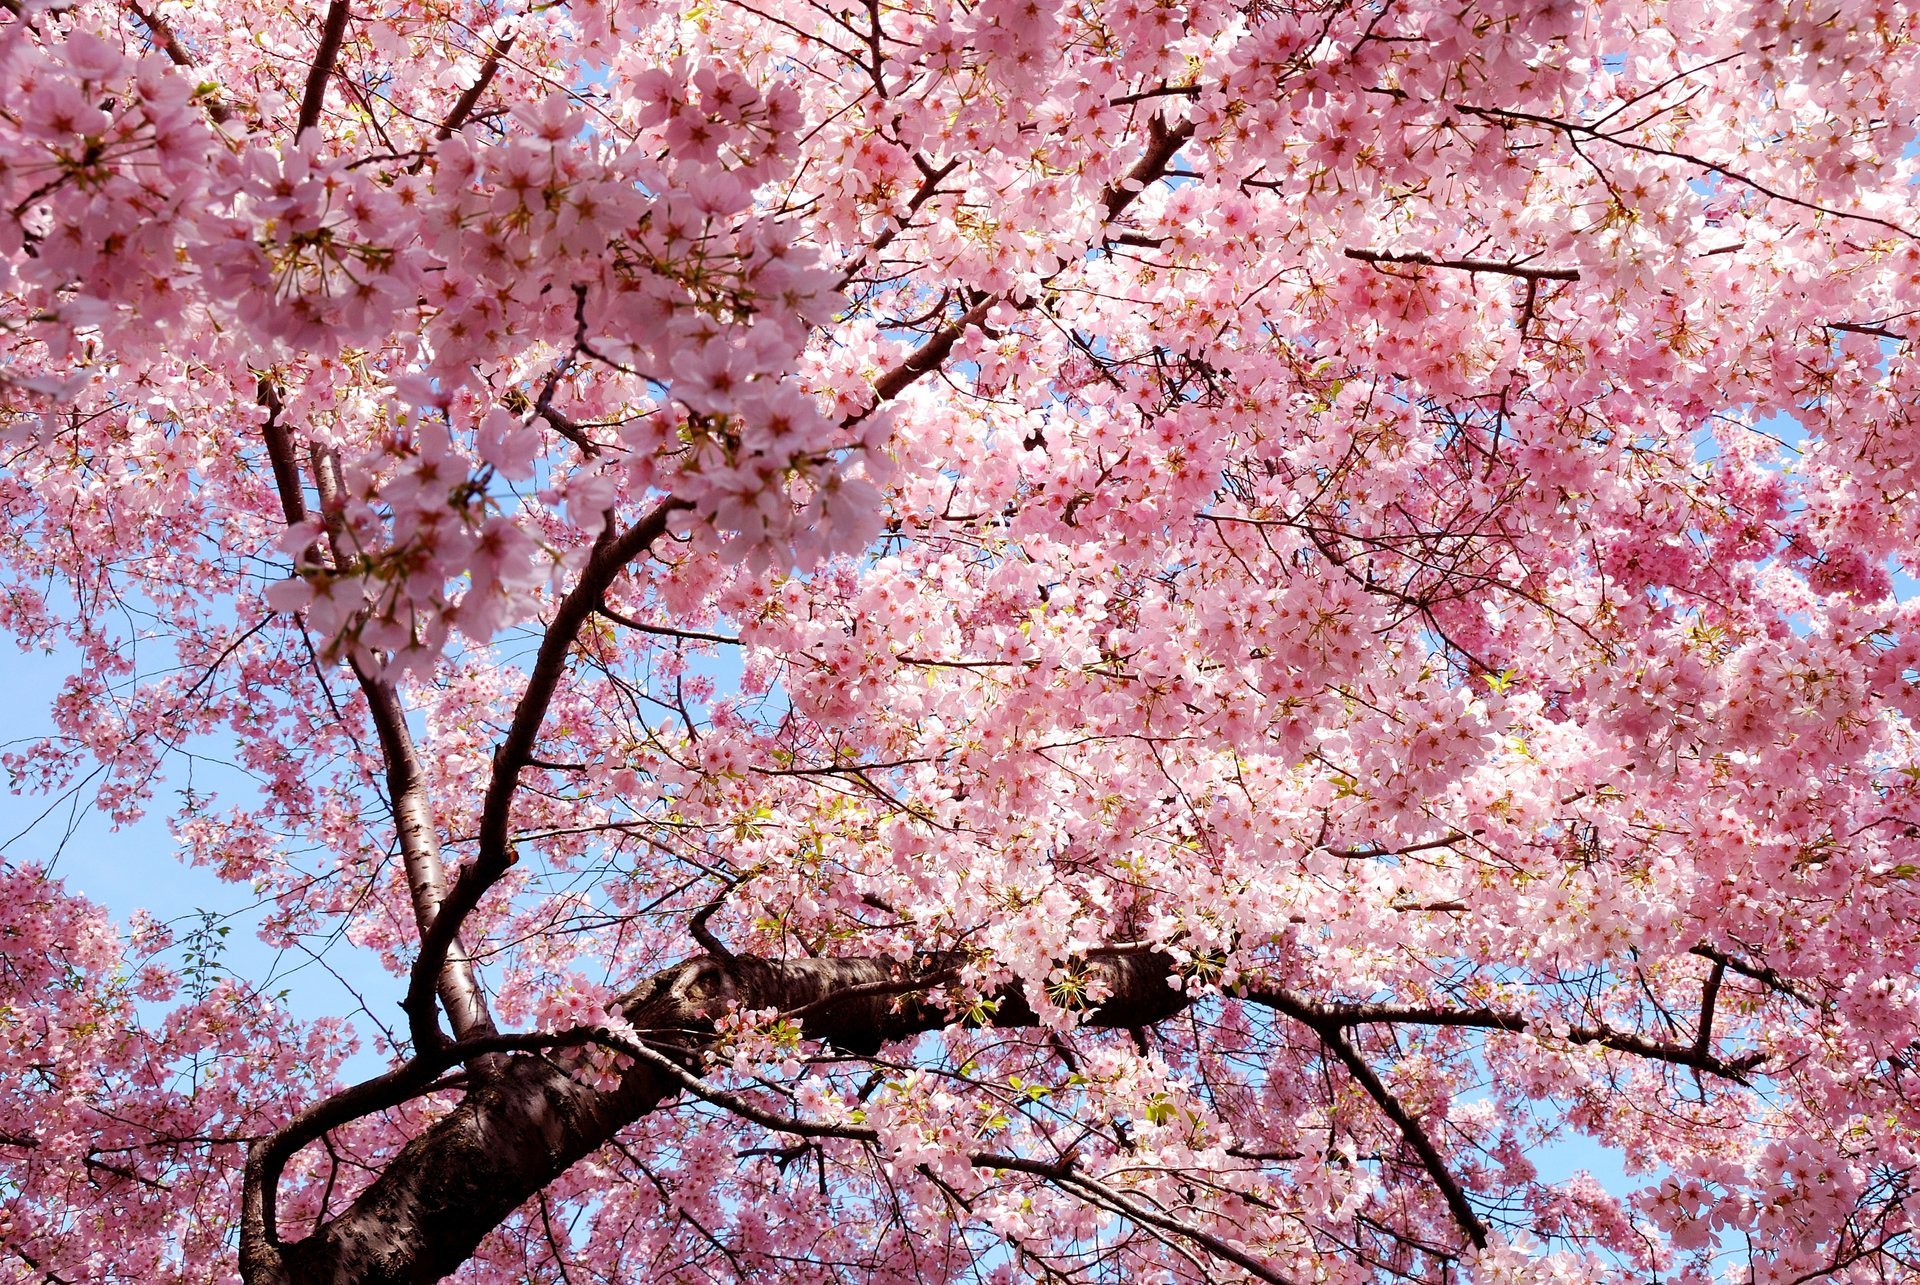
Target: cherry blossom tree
(980,640)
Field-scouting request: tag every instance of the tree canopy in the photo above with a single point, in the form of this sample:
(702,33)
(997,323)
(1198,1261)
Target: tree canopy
(971,640)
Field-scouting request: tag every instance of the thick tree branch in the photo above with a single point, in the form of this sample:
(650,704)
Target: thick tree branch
(1756,972)
(1341,1016)
(280,454)
(454,980)
(523,1124)
(267,1160)
(1163,144)
(332,31)
(1703,1037)
(414,822)
(1324,1023)
(531,1117)
(1520,270)
(470,97)
(495,854)
(929,356)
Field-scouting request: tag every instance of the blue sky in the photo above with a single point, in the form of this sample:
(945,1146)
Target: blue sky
(139,866)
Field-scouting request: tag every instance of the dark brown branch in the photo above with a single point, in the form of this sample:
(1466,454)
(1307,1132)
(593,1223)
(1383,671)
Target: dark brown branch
(524,1123)
(470,97)
(1362,854)
(163,35)
(495,854)
(1416,1136)
(568,428)
(698,927)
(1703,1038)
(1065,1174)
(1520,270)
(92,1161)
(930,179)
(1328,1027)
(169,44)
(553,1242)
(665,631)
(1858,328)
(542,404)
(1575,130)
(280,454)
(456,984)
(47,1274)
(1339,1016)
(453,980)
(332,31)
(1756,972)
(1163,144)
(262,1252)
(1163,91)
(928,356)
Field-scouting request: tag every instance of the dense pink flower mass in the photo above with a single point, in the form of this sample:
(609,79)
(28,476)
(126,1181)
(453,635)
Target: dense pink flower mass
(976,640)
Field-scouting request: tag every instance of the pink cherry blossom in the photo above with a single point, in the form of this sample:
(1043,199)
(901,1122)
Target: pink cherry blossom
(1136,641)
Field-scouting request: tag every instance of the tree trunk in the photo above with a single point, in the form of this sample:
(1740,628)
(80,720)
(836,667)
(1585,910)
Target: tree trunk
(526,1119)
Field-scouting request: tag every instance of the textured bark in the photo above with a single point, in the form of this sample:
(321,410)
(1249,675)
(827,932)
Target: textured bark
(525,1122)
